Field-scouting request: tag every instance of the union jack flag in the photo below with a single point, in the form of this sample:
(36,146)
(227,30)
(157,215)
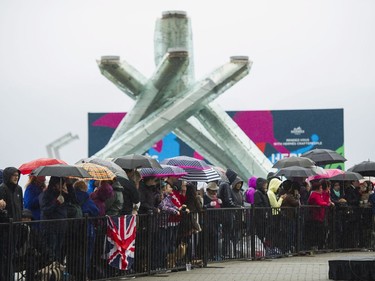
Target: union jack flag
(121,241)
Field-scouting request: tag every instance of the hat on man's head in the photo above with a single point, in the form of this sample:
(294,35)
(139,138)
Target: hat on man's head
(212,186)
(27,214)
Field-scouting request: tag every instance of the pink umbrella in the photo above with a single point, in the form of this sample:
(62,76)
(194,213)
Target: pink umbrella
(329,173)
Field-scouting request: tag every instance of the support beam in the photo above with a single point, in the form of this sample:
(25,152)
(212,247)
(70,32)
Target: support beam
(173,64)
(233,139)
(164,119)
(123,75)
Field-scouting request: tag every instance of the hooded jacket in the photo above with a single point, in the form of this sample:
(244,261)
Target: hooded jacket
(249,194)
(225,190)
(114,204)
(12,194)
(273,187)
(260,196)
(237,195)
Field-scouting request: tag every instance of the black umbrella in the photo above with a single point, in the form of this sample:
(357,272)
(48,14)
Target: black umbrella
(294,161)
(347,176)
(296,172)
(134,161)
(324,156)
(60,170)
(365,168)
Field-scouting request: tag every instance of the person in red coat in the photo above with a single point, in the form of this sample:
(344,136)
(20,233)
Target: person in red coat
(316,229)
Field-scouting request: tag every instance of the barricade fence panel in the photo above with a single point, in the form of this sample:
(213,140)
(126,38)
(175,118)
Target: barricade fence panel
(102,248)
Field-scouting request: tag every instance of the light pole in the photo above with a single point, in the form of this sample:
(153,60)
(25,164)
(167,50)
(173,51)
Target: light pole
(54,147)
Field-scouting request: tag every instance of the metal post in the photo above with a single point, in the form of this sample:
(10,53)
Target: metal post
(252,232)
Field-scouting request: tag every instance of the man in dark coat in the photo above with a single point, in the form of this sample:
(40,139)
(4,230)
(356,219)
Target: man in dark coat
(11,205)
(226,195)
(11,194)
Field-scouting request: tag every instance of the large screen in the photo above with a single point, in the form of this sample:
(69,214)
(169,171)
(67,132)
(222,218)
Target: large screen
(277,133)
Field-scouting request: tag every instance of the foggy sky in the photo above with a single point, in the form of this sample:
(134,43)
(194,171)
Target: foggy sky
(306,55)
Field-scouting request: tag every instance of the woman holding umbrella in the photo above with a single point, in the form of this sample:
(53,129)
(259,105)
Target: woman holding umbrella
(34,187)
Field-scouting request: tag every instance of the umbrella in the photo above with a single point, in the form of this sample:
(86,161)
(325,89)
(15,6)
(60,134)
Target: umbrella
(296,172)
(371,179)
(294,161)
(26,168)
(347,176)
(116,169)
(201,175)
(221,172)
(187,162)
(365,168)
(165,171)
(60,170)
(324,156)
(134,161)
(329,173)
(97,172)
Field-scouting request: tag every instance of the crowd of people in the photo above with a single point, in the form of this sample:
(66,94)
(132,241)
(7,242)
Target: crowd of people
(177,205)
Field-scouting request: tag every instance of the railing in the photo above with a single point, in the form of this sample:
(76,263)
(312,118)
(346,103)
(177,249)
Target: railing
(74,248)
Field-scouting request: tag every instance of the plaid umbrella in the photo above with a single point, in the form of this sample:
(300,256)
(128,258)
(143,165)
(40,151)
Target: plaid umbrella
(206,175)
(134,161)
(186,162)
(97,172)
(60,170)
(116,169)
(26,168)
(324,156)
(294,161)
(165,171)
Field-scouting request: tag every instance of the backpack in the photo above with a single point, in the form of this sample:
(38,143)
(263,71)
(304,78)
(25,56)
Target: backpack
(74,210)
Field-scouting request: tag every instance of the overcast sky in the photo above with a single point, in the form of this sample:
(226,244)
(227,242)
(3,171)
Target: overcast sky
(306,55)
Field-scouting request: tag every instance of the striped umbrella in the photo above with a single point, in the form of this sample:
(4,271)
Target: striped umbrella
(97,172)
(165,171)
(206,175)
(186,162)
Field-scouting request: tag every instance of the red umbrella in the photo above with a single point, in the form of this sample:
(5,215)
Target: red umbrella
(26,168)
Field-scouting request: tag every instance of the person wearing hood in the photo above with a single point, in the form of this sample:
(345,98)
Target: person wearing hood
(226,195)
(275,222)
(238,199)
(272,192)
(250,192)
(237,195)
(11,198)
(11,205)
(114,204)
(225,190)
(262,205)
